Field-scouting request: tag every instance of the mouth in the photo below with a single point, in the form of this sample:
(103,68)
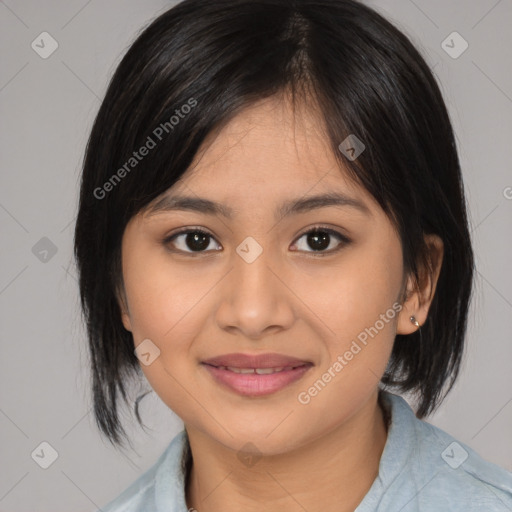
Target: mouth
(256,375)
(259,371)
(269,360)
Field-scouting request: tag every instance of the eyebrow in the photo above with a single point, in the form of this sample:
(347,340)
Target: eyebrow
(294,206)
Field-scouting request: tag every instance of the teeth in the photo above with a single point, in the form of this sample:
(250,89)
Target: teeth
(259,371)
(240,370)
(264,371)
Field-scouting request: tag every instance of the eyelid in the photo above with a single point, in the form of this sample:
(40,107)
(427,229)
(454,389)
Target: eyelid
(322,227)
(344,240)
(183,231)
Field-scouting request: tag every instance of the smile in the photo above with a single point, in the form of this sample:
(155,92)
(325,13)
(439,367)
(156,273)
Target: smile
(259,371)
(256,382)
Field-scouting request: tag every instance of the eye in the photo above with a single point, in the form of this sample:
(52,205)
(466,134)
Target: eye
(197,240)
(320,238)
(192,240)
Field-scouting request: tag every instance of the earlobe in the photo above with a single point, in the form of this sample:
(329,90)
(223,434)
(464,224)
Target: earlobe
(410,308)
(419,296)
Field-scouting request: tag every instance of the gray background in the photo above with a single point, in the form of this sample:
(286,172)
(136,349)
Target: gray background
(47,109)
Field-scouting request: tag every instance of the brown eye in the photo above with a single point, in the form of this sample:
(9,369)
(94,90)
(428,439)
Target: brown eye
(319,239)
(191,240)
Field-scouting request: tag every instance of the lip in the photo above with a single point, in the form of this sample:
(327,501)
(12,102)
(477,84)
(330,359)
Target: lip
(253,384)
(267,360)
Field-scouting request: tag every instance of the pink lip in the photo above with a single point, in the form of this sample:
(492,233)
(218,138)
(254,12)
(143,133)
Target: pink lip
(252,384)
(268,360)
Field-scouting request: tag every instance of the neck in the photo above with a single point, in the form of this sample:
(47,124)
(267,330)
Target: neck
(331,473)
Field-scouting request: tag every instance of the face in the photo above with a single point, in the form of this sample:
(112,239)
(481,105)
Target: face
(319,285)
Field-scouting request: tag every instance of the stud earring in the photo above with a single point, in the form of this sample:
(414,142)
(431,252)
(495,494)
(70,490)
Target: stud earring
(414,321)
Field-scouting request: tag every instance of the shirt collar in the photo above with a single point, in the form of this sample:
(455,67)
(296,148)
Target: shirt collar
(400,443)
(170,478)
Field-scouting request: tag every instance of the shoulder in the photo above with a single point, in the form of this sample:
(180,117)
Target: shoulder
(441,473)
(144,493)
(462,473)
(136,498)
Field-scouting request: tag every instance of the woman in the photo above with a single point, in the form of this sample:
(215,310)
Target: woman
(272,230)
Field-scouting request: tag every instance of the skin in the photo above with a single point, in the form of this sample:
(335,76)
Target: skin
(320,456)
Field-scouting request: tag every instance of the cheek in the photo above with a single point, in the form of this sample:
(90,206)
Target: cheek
(358,302)
(161,296)
(168,304)
(354,293)
(359,309)
(165,307)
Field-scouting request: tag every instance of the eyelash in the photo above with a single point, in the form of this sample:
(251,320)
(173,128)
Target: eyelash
(319,228)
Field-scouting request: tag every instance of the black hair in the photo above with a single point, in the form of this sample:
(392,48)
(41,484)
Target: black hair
(199,64)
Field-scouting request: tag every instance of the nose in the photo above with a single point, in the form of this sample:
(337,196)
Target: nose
(254,299)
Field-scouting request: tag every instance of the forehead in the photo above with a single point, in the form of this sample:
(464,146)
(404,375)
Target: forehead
(269,146)
(269,160)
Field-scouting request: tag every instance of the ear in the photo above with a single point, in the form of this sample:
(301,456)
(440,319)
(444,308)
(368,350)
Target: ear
(123,306)
(419,295)
(125,317)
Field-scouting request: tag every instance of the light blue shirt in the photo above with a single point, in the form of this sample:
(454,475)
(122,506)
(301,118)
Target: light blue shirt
(422,469)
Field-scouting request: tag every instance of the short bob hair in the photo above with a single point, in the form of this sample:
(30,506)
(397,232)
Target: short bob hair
(199,64)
